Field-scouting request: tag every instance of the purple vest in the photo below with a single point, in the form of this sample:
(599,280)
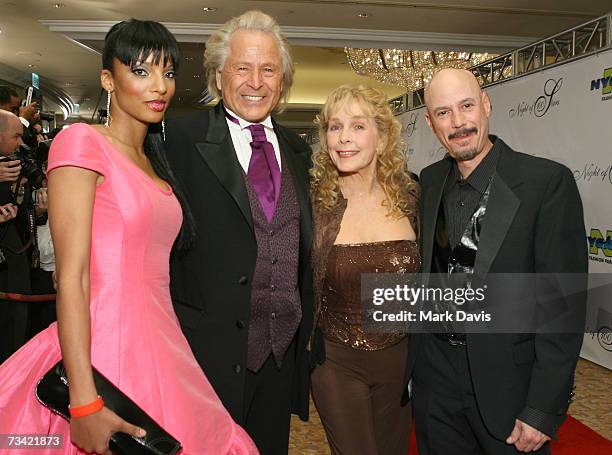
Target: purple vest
(276,309)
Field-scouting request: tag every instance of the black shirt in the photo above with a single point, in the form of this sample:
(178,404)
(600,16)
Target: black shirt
(461,196)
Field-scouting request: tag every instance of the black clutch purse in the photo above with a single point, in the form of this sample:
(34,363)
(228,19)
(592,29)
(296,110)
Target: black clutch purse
(52,392)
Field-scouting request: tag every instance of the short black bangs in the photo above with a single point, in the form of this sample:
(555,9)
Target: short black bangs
(133,41)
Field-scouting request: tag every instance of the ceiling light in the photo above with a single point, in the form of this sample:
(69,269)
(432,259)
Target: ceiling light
(31,65)
(209,9)
(405,68)
(28,54)
(58,5)
(363,15)
(196,76)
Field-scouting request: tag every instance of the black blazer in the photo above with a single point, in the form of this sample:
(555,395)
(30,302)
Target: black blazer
(211,284)
(15,272)
(533,224)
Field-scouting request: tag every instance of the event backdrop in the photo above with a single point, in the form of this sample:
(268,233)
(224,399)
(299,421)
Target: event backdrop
(565,114)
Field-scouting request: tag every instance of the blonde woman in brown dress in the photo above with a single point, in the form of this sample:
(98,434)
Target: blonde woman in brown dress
(365,221)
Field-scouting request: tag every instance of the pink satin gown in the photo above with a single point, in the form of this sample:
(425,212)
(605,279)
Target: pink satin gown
(136,340)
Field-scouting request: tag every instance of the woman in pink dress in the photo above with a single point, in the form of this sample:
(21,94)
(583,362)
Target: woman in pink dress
(115,212)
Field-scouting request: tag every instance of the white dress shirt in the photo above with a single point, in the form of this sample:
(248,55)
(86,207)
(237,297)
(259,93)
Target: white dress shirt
(241,137)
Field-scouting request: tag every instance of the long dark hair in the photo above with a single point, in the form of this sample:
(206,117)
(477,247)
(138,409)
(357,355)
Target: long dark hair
(130,42)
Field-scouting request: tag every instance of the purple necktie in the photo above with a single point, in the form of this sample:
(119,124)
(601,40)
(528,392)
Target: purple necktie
(264,173)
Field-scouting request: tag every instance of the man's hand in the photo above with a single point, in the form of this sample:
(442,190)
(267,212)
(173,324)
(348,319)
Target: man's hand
(9,170)
(7,212)
(526,438)
(28,112)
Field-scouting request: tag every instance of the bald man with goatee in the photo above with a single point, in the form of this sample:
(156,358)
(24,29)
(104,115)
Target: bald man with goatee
(487,209)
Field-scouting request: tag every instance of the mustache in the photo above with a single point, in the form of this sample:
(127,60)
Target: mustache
(463,131)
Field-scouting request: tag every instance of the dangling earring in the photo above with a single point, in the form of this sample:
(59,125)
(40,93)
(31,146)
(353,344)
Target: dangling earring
(164,129)
(108,116)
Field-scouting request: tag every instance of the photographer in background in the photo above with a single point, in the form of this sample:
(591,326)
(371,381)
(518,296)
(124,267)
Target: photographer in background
(14,264)
(41,136)
(10,101)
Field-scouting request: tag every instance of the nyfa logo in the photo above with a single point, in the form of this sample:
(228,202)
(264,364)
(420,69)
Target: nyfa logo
(598,243)
(605,84)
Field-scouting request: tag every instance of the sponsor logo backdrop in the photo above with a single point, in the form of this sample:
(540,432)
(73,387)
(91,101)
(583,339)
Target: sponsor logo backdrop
(564,114)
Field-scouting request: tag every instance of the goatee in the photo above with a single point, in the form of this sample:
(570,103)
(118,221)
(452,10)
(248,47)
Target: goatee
(466,155)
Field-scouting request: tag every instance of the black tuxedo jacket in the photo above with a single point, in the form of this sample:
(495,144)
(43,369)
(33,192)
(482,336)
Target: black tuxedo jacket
(211,283)
(533,224)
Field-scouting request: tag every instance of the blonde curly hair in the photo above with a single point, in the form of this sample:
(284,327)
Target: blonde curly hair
(401,190)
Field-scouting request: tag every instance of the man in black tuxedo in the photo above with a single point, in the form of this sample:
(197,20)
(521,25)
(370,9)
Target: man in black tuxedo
(492,393)
(243,293)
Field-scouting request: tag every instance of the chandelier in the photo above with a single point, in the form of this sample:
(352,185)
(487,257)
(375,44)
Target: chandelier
(409,69)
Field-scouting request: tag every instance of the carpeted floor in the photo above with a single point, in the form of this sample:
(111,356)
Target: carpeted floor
(593,402)
(592,406)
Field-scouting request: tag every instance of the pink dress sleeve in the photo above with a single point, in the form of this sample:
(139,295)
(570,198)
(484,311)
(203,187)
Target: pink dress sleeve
(77,146)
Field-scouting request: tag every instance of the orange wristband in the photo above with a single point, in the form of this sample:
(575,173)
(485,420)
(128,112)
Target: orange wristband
(87,409)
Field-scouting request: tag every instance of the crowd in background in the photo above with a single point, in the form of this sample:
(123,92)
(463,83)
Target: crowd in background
(26,251)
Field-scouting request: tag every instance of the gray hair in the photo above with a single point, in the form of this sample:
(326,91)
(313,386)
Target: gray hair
(217,48)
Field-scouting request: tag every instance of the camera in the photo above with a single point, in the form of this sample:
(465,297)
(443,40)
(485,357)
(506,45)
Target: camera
(48,116)
(29,166)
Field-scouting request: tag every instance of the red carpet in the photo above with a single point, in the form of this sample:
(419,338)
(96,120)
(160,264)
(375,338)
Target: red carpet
(574,439)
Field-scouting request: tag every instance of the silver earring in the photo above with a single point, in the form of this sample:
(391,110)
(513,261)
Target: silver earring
(164,129)
(108,116)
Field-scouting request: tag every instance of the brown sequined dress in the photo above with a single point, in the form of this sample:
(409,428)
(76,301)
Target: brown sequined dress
(359,380)
(357,390)
(341,314)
